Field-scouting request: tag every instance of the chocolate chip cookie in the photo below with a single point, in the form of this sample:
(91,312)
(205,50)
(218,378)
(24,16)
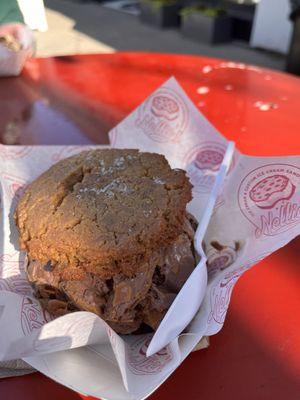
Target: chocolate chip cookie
(101,229)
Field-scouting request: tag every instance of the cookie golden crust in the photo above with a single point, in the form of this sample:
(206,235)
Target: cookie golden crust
(102,211)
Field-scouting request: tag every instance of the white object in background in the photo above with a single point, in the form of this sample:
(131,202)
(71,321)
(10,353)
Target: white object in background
(34,14)
(272,29)
(12,62)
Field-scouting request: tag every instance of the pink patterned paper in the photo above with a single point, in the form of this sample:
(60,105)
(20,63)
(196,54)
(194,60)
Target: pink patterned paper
(220,294)
(14,152)
(139,364)
(202,162)
(163,117)
(32,316)
(257,207)
(269,198)
(13,186)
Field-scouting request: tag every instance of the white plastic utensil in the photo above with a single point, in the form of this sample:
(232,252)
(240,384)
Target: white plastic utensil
(190,297)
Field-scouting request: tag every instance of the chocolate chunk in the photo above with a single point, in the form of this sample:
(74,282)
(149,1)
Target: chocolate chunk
(57,307)
(179,263)
(48,267)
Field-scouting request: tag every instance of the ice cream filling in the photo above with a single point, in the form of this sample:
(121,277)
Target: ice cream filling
(123,302)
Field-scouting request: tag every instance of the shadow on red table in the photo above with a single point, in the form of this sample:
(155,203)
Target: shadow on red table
(35,386)
(257,375)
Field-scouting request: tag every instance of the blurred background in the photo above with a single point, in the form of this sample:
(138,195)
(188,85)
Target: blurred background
(263,33)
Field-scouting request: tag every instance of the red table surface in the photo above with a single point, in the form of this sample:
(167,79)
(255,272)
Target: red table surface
(77,99)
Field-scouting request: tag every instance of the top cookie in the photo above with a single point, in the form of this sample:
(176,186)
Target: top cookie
(103,211)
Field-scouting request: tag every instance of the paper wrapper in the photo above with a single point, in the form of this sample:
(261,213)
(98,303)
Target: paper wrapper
(14,368)
(247,207)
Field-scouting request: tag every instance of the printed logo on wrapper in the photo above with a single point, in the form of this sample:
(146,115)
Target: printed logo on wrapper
(220,292)
(32,316)
(14,186)
(14,152)
(220,295)
(269,197)
(16,284)
(202,163)
(139,364)
(163,117)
